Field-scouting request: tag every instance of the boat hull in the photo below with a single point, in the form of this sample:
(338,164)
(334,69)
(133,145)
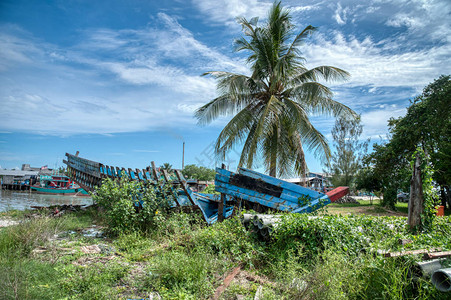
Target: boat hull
(60,191)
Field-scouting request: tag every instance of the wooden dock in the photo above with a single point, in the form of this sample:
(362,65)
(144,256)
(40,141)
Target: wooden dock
(15,187)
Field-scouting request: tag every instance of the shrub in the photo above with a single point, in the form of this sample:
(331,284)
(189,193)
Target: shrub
(354,234)
(130,206)
(229,239)
(179,273)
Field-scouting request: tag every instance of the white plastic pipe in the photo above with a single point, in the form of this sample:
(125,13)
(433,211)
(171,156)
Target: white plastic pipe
(442,279)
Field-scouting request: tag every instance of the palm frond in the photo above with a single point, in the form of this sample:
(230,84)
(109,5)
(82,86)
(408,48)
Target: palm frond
(300,38)
(328,73)
(235,131)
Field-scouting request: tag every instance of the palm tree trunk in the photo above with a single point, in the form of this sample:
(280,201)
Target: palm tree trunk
(273,162)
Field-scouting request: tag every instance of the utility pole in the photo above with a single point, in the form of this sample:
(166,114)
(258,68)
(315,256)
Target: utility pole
(183,156)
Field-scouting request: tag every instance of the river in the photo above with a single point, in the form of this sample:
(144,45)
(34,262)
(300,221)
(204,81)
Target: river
(21,200)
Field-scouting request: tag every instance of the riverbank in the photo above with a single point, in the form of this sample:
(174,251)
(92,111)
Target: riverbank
(332,257)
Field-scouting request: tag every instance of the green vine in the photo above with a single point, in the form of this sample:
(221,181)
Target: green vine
(430,196)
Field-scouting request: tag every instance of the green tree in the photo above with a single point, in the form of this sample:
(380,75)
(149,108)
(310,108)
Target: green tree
(427,124)
(271,107)
(349,151)
(199,173)
(393,171)
(367,180)
(166,166)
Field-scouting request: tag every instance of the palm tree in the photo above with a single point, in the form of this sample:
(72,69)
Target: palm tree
(271,107)
(166,166)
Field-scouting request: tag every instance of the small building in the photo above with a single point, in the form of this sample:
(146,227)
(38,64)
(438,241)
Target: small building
(9,177)
(317,181)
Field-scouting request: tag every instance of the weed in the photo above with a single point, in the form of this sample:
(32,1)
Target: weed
(191,273)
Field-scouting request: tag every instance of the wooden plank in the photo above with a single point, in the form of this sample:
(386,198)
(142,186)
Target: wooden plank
(139,174)
(132,174)
(410,252)
(198,195)
(185,188)
(124,173)
(156,176)
(168,182)
(437,255)
(85,166)
(113,171)
(228,279)
(108,171)
(221,204)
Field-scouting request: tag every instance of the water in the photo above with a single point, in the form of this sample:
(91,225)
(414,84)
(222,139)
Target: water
(22,200)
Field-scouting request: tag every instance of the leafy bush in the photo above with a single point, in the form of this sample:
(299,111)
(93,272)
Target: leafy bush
(354,234)
(229,239)
(130,206)
(210,189)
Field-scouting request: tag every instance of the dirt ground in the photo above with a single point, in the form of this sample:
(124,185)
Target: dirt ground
(363,207)
(372,210)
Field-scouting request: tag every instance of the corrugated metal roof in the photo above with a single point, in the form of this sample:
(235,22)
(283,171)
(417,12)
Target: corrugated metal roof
(18,173)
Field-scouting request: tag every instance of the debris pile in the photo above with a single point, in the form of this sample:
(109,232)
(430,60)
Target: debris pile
(346,199)
(57,210)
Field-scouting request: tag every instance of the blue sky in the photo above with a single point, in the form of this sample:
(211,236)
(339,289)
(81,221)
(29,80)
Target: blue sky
(119,80)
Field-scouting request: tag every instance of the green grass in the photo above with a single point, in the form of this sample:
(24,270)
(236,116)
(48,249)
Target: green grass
(15,214)
(182,258)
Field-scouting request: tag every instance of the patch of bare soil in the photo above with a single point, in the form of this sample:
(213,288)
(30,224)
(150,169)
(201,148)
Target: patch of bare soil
(367,210)
(88,260)
(5,222)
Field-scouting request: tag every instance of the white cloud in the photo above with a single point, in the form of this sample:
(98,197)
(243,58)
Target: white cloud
(226,11)
(14,50)
(423,18)
(375,64)
(341,14)
(114,81)
(375,121)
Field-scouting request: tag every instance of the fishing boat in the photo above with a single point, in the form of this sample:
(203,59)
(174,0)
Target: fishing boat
(58,184)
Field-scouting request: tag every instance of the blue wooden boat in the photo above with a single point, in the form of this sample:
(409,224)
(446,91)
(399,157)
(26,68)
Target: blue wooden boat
(245,188)
(273,193)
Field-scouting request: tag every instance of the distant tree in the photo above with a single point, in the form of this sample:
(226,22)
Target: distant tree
(367,180)
(166,166)
(198,172)
(392,171)
(349,151)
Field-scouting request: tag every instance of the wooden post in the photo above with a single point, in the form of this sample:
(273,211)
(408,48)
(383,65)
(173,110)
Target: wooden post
(183,156)
(221,204)
(416,195)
